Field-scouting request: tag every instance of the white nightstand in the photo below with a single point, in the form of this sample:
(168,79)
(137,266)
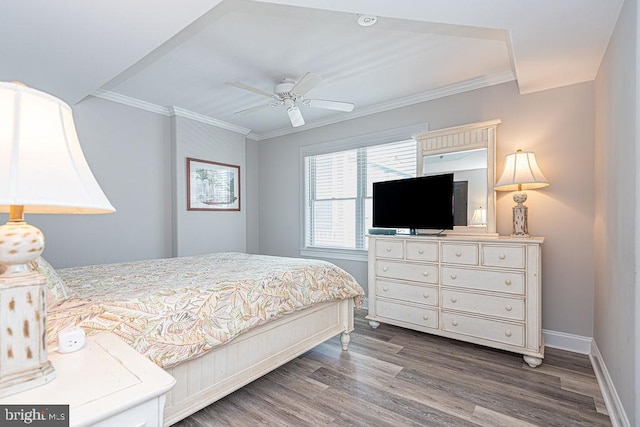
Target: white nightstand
(106,383)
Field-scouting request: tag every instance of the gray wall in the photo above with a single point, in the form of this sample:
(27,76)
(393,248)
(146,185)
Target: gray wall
(616,215)
(556,124)
(252,196)
(139,160)
(199,232)
(129,153)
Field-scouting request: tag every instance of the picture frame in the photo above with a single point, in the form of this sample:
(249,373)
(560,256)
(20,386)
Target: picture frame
(212,186)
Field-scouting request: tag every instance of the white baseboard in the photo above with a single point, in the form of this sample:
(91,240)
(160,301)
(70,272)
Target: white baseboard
(611,399)
(569,342)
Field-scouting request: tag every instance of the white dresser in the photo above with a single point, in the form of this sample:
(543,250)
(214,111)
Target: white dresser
(482,290)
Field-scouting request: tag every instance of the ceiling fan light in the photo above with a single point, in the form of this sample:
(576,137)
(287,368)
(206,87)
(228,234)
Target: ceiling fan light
(295,116)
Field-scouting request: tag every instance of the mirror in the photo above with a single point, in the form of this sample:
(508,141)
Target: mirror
(469,153)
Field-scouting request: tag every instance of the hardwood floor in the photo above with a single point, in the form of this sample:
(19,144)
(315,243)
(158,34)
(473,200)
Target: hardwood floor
(396,377)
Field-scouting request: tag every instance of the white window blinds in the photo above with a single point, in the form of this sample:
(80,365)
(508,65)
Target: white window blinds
(338,191)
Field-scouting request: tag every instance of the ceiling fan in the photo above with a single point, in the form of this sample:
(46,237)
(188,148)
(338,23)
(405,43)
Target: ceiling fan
(289,93)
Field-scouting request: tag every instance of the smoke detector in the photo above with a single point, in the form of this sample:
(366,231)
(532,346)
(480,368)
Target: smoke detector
(367,20)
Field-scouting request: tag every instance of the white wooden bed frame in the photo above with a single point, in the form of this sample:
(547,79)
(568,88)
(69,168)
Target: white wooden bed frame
(219,372)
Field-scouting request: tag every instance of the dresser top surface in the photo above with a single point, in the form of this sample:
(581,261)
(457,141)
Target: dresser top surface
(461,238)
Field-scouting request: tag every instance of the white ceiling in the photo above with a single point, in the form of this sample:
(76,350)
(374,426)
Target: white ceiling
(175,57)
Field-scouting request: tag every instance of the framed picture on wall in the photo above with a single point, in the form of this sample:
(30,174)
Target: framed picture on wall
(212,186)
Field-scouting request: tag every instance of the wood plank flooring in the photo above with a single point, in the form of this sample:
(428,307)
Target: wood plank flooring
(397,377)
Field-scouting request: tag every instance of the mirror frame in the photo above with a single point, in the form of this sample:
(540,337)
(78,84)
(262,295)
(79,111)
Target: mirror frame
(463,138)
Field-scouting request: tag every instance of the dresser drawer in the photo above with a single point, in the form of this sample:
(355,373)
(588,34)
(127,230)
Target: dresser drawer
(426,317)
(505,307)
(407,292)
(503,256)
(427,273)
(421,251)
(389,249)
(493,330)
(500,281)
(460,253)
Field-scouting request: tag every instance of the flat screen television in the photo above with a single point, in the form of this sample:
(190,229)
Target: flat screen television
(425,202)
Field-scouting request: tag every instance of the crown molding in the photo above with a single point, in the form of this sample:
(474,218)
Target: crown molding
(466,86)
(442,92)
(131,102)
(167,111)
(181,112)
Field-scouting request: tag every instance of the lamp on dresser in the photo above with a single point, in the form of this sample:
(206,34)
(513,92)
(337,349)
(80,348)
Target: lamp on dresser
(42,170)
(479,218)
(520,172)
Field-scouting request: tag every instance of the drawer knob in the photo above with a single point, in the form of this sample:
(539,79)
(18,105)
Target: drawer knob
(454,299)
(385,289)
(384,268)
(425,273)
(425,317)
(458,254)
(454,276)
(508,308)
(454,322)
(420,251)
(426,295)
(388,249)
(502,256)
(507,282)
(508,333)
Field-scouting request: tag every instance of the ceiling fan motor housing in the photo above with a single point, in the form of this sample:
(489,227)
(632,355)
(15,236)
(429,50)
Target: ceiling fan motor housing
(283,89)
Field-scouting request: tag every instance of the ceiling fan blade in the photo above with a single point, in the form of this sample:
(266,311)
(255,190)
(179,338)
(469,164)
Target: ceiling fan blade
(245,86)
(306,83)
(259,107)
(295,116)
(329,105)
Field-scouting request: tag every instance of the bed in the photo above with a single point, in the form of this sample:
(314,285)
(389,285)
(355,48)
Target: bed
(215,322)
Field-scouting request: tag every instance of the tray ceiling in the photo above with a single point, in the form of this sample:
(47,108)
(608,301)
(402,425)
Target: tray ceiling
(177,56)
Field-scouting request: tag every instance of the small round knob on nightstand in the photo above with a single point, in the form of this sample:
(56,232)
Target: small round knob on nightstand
(454,276)
(508,333)
(425,317)
(426,295)
(458,254)
(384,268)
(454,322)
(388,249)
(385,289)
(507,282)
(508,308)
(425,273)
(453,299)
(421,251)
(502,256)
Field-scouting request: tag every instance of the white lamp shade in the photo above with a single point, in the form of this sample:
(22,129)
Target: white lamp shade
(521,169)
(42,166)
(479,217)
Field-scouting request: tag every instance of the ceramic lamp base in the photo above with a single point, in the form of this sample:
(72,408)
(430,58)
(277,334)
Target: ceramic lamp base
(520,227)
(23,310)
(23,342)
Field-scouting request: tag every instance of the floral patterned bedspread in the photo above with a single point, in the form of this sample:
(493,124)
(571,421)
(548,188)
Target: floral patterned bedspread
(176,308)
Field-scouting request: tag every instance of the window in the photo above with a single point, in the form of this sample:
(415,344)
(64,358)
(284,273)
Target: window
(338,191)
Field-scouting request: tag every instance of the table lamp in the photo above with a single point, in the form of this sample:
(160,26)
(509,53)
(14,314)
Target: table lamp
(42,170)
(479,218)
(521,172)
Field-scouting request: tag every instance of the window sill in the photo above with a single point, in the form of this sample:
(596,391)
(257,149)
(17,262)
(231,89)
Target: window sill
(345,254)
